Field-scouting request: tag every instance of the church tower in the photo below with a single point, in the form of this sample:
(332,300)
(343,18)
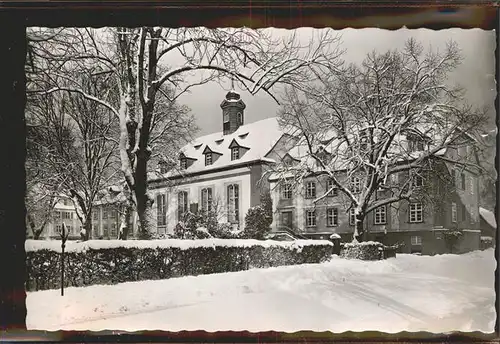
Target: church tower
(232,112)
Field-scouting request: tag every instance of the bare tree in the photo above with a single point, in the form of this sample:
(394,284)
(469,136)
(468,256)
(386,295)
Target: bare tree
(137,60)
(379,130)
(76,136)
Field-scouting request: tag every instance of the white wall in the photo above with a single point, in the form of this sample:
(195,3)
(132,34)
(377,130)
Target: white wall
(218,184)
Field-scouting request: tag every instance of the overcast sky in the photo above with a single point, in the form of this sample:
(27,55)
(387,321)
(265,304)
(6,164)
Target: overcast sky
(476,73)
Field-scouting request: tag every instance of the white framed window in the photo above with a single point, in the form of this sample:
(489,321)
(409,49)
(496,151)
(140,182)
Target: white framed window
(161,211)
(233,197)
(310,189)
(240,118)
(352,217)
(355,185)
(418,181)
(332,217)
(286,191)
(332,190)
(235,153)
(58,228)
(183,163)
(206,199)
(454,216)
(416,212)
(208,159)
(310,218)
(381,215)
(182,204)
(416,240)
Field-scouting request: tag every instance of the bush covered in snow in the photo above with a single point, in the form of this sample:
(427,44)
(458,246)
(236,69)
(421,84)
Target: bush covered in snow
(257,223)
(369,250)
(116,261)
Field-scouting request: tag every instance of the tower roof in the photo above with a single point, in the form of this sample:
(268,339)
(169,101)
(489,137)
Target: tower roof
(232,95)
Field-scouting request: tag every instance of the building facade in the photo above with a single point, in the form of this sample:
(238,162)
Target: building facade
(223,172)
(451,202)
(64,212)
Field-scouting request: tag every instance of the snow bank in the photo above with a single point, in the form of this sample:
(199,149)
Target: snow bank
(74,246)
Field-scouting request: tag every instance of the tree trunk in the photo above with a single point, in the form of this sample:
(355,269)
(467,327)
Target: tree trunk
(125,221)
(87,229)
(358,228)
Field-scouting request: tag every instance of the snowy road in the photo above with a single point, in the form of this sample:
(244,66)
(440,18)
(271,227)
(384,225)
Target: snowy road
(409,293)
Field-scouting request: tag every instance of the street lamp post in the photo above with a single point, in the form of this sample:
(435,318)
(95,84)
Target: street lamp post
(64,237)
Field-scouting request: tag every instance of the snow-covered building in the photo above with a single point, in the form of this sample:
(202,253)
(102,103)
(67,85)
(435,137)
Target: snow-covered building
(299,206)
(64,212)
(223,172)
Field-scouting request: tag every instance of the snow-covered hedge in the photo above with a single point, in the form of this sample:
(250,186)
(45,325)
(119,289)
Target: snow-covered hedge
(368,250)
(113,261)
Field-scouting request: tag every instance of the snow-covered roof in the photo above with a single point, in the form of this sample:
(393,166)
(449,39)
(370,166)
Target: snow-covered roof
(488,216)
(255,138)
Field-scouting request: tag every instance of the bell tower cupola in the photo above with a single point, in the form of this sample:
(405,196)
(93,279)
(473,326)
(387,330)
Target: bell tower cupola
(232,111)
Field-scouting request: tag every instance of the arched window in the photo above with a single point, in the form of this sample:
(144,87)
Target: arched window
(182,204)
(240,118)
(233,203)
(206,199)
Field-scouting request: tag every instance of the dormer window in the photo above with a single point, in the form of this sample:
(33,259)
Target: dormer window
(183,163)
(226,117)
(235,153)
(240,118)
(208,159)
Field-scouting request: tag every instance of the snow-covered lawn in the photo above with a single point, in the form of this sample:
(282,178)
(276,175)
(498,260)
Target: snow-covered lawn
(408,293)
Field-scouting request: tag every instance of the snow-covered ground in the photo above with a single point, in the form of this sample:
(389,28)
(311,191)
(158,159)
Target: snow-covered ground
(408,293)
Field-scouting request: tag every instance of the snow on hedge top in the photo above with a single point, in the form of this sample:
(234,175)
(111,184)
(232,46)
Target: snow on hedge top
(74,246)
(363,243)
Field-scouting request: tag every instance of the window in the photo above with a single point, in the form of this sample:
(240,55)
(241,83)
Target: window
(226,117)
(105,229)
(416,240)
(67,215)
(69,229)
(240,118)
(463,213)
(104,213)
(416,212)
(310,218)
(381,215)
(161,213)
(286,219)
(95,214)
(113,230)
(415,144)
(419,181)
(206,199)
(286,191)
(95,231)
(352,217)
(332,217)
(332,190)
(182,204)
(462,181)
(471,185)
(208,159)
(355,185)
(58,215)
(235,153)
(453,212)
(233,202)
(58,228)
(183,163)
(310,189)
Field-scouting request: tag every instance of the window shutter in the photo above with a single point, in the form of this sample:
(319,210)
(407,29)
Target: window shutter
(236,202)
